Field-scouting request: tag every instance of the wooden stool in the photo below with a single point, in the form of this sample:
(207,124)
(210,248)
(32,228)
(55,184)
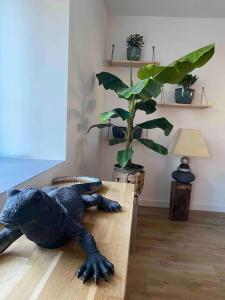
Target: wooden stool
(180,196)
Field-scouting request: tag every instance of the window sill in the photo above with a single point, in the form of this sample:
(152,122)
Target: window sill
(16,171)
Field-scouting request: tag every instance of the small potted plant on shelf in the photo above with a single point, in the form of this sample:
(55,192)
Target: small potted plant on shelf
(140,97)
(185,95)
(120,132)
(134,44)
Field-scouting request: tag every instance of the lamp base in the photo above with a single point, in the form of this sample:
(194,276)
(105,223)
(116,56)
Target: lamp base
(183,173)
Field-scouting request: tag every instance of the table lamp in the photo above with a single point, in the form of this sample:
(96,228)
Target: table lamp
(187,142)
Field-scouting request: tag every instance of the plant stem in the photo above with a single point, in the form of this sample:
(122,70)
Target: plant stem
(130,121)
(131,72)
(130,124)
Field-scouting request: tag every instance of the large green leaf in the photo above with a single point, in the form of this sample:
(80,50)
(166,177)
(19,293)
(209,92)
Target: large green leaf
(162,123)
(154,146)
(100,126)
(110,81)
(116,141)
(115,113)
(144,90)
(124,156)
(175,71)
(148,106)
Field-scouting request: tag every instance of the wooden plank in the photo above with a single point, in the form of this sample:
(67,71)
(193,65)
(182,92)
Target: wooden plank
(201,106)
(49,274)
(126,63)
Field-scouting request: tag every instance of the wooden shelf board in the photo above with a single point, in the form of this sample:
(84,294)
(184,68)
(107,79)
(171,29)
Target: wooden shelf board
(126,63)
(201,106)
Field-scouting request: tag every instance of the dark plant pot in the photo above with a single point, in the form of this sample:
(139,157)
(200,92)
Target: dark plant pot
(184,95)
(138,133)
(134,53)
(119,134)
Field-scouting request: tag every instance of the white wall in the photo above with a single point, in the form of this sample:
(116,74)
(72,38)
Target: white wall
(34,39)
(88,32)
(88,27)
(174,37)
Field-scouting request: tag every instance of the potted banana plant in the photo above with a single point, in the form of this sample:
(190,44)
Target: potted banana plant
(141,97)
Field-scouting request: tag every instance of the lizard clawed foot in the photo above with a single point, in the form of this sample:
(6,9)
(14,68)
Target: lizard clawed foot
(95,266)
(109,205)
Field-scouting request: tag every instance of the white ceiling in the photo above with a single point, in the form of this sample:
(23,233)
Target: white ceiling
(168,8)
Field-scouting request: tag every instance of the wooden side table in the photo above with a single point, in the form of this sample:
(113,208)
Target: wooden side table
(180,196)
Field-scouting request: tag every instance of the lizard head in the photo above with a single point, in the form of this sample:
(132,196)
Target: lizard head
(24,206)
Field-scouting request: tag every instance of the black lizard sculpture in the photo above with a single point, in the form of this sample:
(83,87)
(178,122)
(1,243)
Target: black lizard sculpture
(51,216)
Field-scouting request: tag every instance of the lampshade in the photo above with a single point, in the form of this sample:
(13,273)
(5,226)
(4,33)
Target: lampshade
(189,142)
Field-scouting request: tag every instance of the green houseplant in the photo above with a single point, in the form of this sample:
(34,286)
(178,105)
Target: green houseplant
(134,44)
(140,97)
(185,95)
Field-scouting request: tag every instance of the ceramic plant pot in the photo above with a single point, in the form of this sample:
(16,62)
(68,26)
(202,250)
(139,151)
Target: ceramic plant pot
(133,174)
(133,53)
(118,132)
(184,95)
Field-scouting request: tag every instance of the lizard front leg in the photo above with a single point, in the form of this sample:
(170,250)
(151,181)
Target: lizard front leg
(101,202)
(95,264)
(7,237)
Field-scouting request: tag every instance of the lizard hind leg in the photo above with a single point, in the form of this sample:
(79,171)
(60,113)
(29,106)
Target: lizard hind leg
(101,202)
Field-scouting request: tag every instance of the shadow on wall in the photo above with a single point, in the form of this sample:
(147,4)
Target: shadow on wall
(84,105)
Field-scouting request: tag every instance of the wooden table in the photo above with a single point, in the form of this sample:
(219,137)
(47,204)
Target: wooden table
(29,272)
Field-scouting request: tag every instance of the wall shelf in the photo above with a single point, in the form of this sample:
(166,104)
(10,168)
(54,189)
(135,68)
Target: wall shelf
(126,63)
(200,106)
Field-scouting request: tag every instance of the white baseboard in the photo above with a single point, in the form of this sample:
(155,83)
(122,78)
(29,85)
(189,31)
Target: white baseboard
(207,207)
(194,206)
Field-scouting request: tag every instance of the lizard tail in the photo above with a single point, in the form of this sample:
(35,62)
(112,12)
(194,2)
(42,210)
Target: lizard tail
(85,184)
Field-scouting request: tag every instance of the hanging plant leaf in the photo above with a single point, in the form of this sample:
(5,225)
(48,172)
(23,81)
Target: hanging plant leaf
(154,146)
(115,113)
(100,126)
(110,81)
(124,156)
(175,71)
(148,106)
(165,74)
(116,141)
(144,90)
(162,123)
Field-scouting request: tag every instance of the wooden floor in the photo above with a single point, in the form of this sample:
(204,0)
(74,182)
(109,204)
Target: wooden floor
(178,261)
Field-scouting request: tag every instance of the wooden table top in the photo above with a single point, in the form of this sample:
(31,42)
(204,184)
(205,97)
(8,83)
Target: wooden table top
(30,272)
